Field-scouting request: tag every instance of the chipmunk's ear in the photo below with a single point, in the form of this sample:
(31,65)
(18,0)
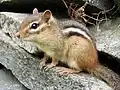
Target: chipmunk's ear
(47,15)
(35,11)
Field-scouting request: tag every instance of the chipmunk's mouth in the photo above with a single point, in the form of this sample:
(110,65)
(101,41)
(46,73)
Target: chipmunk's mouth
(28,38)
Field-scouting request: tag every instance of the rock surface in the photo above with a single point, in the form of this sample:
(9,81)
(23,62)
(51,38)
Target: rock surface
(9,82)
(108,37)
(16,55)
(102,4)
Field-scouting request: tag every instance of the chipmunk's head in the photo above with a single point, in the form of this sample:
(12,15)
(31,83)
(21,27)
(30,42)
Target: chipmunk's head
(35,24)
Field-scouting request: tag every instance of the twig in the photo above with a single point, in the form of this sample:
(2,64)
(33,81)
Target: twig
(113,31)
(94,18)
(80,15)
(65,4)
(108,10)
(115,11)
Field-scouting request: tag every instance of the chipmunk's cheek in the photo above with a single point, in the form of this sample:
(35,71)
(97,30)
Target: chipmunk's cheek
(29,38)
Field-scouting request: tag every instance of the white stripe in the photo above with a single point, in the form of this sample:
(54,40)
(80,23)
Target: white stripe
(71,29)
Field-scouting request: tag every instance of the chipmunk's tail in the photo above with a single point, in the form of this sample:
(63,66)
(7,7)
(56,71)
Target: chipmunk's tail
(107,75)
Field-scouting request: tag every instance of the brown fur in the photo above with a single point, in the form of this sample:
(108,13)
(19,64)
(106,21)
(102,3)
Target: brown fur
(80,52)
(77,52)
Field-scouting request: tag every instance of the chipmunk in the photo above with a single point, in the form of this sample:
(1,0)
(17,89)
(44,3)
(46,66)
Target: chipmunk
(69,43)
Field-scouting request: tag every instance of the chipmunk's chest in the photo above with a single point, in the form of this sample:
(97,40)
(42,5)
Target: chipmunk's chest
(50,49)
(45,48)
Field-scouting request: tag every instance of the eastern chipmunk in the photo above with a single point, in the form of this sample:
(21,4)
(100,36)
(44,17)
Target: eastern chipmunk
(69,43)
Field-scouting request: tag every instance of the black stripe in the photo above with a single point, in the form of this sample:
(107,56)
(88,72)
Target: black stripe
(74,26)
(67,23)
(72,33)
(80,28)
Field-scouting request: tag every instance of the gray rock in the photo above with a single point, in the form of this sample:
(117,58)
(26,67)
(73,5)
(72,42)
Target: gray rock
(102,4)
(9,82)
(13,27)
(26,68)
(1,1)
(108,37)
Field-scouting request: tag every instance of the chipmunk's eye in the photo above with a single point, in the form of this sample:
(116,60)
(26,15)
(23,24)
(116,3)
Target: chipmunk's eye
(34,25)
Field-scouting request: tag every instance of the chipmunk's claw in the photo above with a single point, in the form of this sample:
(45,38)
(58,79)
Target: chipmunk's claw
(42,64)
(49,66)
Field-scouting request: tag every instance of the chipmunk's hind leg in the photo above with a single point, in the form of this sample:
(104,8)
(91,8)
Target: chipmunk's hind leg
(66,71)
(73,67)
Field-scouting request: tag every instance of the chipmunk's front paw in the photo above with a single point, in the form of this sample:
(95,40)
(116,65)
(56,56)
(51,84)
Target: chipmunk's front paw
(50,65)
